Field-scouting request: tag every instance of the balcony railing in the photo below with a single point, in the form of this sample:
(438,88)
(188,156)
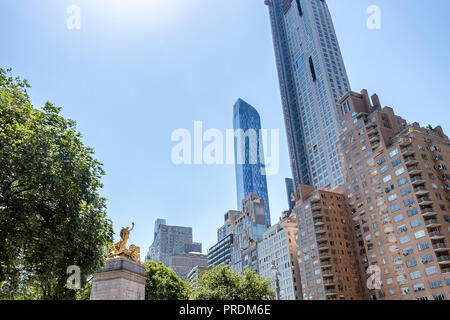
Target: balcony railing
(431,222)
(428,211)
(417,179)
(443,259)
(408,150)
(421,190)
(440,245)
(414,169)
(436,234)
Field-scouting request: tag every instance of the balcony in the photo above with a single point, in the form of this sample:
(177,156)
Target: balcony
(420,191)
(325,264)
(321,238)
(440,246)
(372,131)
(411,160)
(445,270)
(331,292)
(424,201)
(405,142)
(417,180)
(317,214)
(414,170)
(320,230)
(427,212)
(318,222)
(327,273)
(323,246)
(317,206)
(407,151)
(376,146)
(432,223)
(374,138)
(324,255)
(434,235)
(329,282)
(443,259)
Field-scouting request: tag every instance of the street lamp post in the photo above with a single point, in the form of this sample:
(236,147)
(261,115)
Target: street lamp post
(276,273)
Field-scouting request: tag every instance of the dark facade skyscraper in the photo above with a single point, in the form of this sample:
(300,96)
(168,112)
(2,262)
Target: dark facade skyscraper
(312,79)
(249,155)
(289,191)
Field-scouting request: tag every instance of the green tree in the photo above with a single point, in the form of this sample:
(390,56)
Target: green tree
(163,283)
(223,283)
(51,213)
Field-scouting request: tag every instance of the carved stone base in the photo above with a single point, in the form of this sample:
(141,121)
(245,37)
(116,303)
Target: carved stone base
(120,279)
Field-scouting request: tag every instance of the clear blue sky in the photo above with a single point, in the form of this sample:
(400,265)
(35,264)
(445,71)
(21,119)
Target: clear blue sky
(139,69)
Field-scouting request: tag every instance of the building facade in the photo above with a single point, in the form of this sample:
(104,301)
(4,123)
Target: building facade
(247,229)
(249,155)
(278,248)
(312,78)
(397,188)
(183,264)
(175,241)
(326,250)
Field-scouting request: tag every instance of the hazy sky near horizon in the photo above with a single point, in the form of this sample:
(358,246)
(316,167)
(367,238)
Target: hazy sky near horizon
(139,69)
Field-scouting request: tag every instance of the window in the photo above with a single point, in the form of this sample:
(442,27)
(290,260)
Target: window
(398,217)
(411,263)
(387,178)
(419,234)
(412,212)
(393,153)
(408,202)
(402,181)
(395,208)
(435,284)
(431,270)
(419,287)
(406,191)
(427,258)
(396,162)
(416,223)
(423,246)
(405,239)
(399,171)
(392,197)
(415,275)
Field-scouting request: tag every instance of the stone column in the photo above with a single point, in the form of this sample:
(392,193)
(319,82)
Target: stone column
(120,279)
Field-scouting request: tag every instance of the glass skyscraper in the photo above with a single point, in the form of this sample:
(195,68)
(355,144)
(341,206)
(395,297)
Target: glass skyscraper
(312,79)
(249,155)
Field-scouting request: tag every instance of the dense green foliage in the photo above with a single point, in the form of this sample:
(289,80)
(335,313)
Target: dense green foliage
(51,213)
(223,283)
(163,283)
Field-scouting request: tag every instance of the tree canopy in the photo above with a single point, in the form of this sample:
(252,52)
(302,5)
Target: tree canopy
(51,213)
(223,283)
(163,283)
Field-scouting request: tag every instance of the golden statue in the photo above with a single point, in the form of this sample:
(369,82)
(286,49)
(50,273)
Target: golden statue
(120,248)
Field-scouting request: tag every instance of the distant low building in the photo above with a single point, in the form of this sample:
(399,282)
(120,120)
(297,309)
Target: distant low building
(183,264)
(173,246)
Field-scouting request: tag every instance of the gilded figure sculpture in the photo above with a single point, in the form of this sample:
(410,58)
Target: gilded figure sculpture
(120,248)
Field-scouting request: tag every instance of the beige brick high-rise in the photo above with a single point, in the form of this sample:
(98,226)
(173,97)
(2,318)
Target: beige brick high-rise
(326,253)
(398,191)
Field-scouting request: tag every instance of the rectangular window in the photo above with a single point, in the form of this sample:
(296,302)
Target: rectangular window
(431,270)
(419,234)
(435,284)
(313,71)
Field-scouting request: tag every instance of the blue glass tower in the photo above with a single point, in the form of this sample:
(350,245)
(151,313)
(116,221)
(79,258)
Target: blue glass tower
(249,155)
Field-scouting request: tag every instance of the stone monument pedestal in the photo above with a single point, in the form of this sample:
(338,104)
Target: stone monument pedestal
(120,279)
